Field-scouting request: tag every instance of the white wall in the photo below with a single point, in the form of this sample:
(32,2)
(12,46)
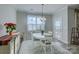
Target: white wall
(7,14)
(48,24)
(71,22)
(21,23)
(62,14)
(20,16)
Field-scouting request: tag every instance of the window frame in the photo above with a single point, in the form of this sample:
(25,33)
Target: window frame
(40,25)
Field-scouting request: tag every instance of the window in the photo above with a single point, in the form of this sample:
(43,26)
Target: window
(34,23)
(58,24)
(58,28)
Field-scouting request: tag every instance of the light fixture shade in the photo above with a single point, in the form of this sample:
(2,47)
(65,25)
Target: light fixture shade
(43,19)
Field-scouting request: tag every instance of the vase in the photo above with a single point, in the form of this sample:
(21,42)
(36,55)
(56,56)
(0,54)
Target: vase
(42,32)
(10,33)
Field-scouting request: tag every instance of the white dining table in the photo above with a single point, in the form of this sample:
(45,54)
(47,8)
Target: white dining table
(38,36)
(41,38)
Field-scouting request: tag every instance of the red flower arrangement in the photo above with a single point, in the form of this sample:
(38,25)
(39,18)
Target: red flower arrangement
(9,24)
(10,27)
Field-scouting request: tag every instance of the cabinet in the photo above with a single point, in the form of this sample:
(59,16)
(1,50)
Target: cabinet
(4,47)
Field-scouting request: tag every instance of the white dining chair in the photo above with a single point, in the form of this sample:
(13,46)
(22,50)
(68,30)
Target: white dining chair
(47,42)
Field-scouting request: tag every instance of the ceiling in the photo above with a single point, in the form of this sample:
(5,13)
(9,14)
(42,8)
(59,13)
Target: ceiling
(37,8)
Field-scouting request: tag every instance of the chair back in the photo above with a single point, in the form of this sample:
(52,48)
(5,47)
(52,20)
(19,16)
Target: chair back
(48,38)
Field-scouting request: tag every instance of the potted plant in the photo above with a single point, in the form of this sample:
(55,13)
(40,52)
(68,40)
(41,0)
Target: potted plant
(10,27)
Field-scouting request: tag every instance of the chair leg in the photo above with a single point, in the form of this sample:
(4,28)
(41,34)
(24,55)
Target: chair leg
(44,49)
(51,50)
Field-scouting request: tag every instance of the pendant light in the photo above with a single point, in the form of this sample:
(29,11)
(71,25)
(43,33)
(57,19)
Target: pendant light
(43,18)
